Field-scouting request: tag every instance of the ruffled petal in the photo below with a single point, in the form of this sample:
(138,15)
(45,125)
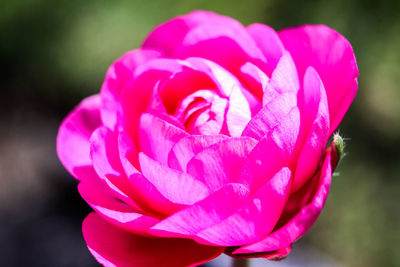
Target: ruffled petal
(118,76)
(222,162)
(255,218)
(297,223)
(114,247)
(205,213)
(332,56)
(73,146)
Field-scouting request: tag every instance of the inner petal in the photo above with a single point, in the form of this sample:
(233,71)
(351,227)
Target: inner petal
(202,112)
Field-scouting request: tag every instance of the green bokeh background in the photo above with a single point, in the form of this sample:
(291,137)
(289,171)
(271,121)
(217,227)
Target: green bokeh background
(54,53)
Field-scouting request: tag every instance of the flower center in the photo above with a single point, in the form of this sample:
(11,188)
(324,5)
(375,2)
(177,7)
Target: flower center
(202,112)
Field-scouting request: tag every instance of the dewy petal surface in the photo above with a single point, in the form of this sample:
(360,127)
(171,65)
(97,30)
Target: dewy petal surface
(113,247)
(73,146)
(300,222)
(333,58)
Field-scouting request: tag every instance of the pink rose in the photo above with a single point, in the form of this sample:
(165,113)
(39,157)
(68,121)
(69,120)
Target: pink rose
(210,138)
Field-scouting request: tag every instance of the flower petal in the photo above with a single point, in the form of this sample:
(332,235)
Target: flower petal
(106,161)
(255,79)
(178,187)
(229,47)
(255,218)
(118,76)
(222,162)
(332,56)
(157,137)
(168,36)
(113,209)
(315,127)
(73,146)
(114,247)
(296,225)
(205,213)
(187,147)
(268,41)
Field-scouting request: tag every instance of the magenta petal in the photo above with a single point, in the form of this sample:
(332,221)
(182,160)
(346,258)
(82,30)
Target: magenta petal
(332,56)
(156,137)
(110,207)
(178,187)
(187,147)
(255,218)
(315,122)
(284,79)
(274,115)
(118,76)
(238,114)
(297,225)
(168,36)
(150,199)
(266,158)
(114,247)
(255,79)
(222,162)
(106,162)
(268,41)
(205,213)
(229,47)
(73,146)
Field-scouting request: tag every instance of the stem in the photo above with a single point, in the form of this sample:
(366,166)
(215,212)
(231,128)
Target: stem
(240,262)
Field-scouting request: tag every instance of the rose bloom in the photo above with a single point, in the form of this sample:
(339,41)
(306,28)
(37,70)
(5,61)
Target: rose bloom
(211,138)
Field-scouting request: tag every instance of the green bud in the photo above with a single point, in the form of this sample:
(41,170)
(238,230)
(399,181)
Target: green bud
(339,146)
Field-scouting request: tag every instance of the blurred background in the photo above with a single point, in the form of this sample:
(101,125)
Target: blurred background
(54,53)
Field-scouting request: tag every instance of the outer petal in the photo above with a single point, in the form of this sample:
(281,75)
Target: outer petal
(114,247)
(229,47)
(73,146)
(167,36)
(106,161)
(113,209)
(205,213)
(315,127)
(333,58)
(118,76)
(205,34)
(255,219)
(268,41)
(299,222)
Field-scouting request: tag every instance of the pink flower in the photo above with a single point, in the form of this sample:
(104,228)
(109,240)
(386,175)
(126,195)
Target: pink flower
(210,138)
